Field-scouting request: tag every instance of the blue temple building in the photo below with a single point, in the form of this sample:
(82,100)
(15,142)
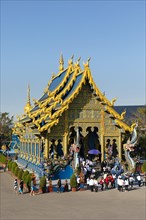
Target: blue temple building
(71,100)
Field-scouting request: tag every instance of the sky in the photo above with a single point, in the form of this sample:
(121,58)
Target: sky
(35,33)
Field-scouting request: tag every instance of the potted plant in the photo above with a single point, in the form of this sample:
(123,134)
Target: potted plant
(50,187)
(73,182)
(42,184)
(82,181)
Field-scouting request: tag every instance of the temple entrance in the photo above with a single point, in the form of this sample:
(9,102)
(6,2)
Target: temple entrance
(88,142)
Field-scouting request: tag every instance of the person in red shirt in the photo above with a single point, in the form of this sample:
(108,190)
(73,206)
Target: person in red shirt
(101,182)
(112,181)
(106,182)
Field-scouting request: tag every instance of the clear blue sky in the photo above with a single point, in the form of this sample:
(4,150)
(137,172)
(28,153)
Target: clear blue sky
(34,33)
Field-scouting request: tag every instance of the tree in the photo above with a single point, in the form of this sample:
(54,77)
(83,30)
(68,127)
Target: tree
(6,123)
(144,167)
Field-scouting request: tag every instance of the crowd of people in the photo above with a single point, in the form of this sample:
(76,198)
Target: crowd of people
(110,175)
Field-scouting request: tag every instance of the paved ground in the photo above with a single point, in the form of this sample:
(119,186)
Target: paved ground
(111,205)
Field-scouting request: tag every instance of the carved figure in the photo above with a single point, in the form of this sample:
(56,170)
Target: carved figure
(130,146)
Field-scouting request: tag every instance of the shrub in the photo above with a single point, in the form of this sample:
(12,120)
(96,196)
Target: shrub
(73,181)
(16,171)
(43,183)
(10,162)
(20,173)
(3,158)
(14,165)
(144,167)
(28,181)
(24,175)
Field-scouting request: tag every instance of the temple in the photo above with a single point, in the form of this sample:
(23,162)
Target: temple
(70,101)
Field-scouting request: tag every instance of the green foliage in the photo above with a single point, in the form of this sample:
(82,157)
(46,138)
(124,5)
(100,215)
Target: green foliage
(9,164)
(20,173)
(78,170)
(28,180)
(3,158)
(14,165)
(24,175)
(144,167)
(42,182)
(73,181)
(6,123)
(16,171)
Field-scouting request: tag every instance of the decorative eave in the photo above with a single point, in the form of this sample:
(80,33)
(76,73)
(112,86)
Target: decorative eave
(124,126)
(65,106)
(114,114)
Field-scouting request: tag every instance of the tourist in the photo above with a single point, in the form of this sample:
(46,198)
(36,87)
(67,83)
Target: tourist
(101,182)
(88,181)
(120,183)
(66,186)
(32,188)
(78,182)
(95,185)
(139,179)
(21,187)
(16,185)
(59,185)
(126,183)
(106,180)
(131,181)
(91,184)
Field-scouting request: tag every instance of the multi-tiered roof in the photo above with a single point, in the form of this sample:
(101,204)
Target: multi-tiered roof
(61,90)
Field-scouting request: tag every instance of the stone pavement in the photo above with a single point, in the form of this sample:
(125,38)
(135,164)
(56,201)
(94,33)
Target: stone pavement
(111,205)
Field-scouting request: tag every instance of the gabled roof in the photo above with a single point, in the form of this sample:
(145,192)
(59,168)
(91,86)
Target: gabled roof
(61,91)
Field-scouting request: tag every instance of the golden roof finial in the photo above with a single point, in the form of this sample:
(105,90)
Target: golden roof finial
(77,64)
(113,101)
(28,106)
(61,62)
(86,65)
(70,63)
(123,114)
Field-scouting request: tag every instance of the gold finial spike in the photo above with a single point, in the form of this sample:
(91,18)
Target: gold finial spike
(28,107)
(86,65)
(28,94)
(61,62)
(113,101)
(79,60)
(70,62)
(123,114)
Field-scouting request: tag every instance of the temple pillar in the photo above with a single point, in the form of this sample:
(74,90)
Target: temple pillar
(102,135)
(66,131)
(65,142)
(46,150)
(120,146)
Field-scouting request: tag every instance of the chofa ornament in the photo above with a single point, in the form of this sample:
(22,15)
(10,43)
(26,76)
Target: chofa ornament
(129,147)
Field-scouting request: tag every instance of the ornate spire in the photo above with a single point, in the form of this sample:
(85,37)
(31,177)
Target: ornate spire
(28,106)
(70,63)
(28,94)
(86,65)
(61,62)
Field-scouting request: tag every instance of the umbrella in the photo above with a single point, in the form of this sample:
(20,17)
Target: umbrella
(94,151)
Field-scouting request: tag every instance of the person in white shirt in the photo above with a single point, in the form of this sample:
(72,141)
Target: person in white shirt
(139,180)
(88,181)
(78,182)
(96,185)
(126,183)
(131,181)
(91,184)
(120,182)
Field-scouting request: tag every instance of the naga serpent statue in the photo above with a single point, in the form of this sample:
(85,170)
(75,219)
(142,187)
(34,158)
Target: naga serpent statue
(129,147)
